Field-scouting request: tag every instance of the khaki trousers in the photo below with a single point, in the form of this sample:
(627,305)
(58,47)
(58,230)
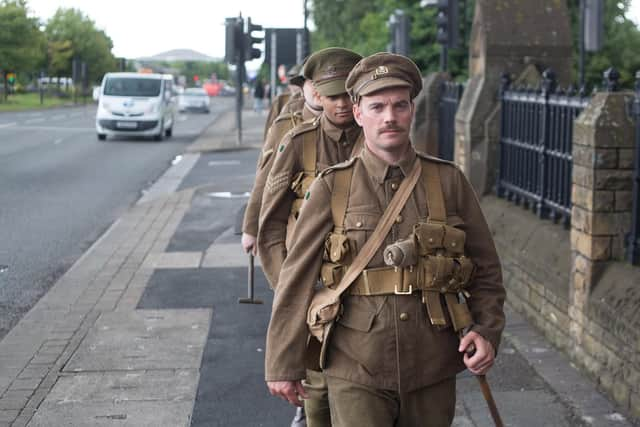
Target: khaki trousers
(359,405)
(316,407)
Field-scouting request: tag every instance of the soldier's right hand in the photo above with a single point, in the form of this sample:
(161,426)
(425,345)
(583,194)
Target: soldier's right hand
(291,391)
(249,243)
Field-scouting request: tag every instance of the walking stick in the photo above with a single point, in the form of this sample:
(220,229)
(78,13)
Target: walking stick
(486,391)
(250,299)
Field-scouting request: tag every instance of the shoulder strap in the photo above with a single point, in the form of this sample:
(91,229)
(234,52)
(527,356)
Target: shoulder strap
(435,198)
(382,229)
(340,197)
(358,145)
(309,152)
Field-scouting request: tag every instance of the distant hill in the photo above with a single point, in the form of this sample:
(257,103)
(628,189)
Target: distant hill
(180,55)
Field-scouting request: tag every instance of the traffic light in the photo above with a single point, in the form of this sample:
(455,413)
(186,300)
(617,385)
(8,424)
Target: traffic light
(448,23)
(196,78)
(234,40)
(252,51)
(11,78)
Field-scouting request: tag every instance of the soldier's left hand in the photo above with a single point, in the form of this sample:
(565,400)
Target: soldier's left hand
(480,360)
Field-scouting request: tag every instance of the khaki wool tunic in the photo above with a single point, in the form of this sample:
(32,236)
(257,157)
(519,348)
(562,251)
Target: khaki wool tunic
(292,114)
(385,341)
(277,107)
(333,145)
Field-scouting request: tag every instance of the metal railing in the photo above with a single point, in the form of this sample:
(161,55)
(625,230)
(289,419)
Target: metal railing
(633,242)
(450,95)
(536,135)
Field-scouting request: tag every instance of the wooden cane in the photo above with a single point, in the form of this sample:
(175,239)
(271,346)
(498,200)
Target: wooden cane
(486,390)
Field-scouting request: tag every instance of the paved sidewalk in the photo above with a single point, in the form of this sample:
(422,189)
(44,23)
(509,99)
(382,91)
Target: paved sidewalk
(145,329)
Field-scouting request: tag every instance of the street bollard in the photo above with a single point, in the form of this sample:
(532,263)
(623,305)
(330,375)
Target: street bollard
(250,288)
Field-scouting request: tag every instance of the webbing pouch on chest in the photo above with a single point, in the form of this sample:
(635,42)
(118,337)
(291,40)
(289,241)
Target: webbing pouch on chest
(337,246)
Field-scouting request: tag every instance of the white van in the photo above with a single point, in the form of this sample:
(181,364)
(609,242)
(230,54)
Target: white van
(136,104)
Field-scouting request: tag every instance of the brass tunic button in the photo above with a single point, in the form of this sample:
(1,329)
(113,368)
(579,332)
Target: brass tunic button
(394,186)
(359,224)
(404,317)
(399,219)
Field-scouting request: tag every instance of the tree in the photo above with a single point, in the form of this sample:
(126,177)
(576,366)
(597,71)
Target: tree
(21,42)
(71,35)
(361,25)
(620,45)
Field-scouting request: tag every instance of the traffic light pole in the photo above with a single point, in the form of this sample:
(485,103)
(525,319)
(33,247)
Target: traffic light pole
(239,101)
(444,58)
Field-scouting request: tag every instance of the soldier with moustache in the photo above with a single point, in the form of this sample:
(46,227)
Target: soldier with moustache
(402,329)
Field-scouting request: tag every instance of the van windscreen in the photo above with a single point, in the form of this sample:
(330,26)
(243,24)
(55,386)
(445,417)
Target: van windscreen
(118,86)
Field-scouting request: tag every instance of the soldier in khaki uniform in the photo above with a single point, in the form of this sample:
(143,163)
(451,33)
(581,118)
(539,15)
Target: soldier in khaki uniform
(279,103)
(394,347)
(297,110)
(304,152)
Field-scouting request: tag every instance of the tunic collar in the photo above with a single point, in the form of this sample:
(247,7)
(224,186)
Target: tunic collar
(378,168)
(335,133)
(307,113)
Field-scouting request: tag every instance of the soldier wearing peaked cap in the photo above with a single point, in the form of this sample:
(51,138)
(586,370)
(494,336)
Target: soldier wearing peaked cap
(296,111)
(407,265)
(303,153)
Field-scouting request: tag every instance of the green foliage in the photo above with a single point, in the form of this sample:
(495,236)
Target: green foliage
(71,34)
(620,47)
(361,25)
(21,42)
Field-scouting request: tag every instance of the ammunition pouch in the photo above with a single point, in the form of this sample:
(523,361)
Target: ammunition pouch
(300,185)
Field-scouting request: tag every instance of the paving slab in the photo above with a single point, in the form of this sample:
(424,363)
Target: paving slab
(173,260)
(144,339)
(138,398)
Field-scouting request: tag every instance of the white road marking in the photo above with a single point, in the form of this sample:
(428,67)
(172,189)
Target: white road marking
(6,125)
(57,128)
(57,141)
(35,120)
(228,195)
(58,117)
(224,162)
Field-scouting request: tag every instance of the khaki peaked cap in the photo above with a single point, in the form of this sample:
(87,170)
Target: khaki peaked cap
(328,69)
(382,71)
(295,75)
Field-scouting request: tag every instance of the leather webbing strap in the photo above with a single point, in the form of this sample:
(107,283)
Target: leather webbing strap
(358,146)
(382,229)
(309,153)
(340,197)
(435,198)
(438,215)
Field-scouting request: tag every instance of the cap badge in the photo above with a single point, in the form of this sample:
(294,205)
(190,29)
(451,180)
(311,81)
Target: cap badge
(381,70)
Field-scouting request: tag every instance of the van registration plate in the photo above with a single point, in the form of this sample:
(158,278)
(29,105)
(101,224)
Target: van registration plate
(126,125)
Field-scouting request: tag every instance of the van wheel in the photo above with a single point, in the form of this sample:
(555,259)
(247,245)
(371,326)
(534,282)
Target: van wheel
(102,137)
(160,134)
(168,132)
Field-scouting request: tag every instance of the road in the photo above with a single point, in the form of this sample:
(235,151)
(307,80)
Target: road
(60,189)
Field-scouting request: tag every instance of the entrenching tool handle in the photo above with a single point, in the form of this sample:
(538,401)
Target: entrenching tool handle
(250,285)
(486,390)
(488,396)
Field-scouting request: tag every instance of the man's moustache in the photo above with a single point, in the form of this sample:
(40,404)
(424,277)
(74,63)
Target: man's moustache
(391,129)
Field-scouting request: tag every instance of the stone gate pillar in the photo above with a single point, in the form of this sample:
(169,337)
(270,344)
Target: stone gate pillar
(507,36)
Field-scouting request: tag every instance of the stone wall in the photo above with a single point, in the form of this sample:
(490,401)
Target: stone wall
(573,284)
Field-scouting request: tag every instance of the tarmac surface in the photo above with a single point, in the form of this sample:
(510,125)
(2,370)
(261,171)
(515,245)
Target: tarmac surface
(146,330)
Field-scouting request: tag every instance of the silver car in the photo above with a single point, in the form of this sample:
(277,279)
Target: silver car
(194,99)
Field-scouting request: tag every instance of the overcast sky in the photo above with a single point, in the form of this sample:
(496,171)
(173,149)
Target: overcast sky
(141,28)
